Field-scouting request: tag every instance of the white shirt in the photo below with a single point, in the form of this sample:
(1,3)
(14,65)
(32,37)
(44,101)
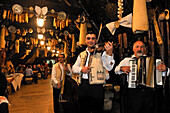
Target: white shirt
(108,63)
(28,72)
(125,62)
(53,74)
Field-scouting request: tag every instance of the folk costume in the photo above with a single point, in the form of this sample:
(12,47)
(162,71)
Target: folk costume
(90,90)
(57,77)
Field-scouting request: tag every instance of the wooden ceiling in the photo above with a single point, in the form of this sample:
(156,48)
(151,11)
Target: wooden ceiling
(96,12)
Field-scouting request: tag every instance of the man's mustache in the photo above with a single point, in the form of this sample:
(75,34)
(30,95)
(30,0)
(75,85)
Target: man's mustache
(139,51)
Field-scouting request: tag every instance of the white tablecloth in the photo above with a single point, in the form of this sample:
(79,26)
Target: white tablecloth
(17,80)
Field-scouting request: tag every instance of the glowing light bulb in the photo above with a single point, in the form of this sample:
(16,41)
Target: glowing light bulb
(40,36)
(59,40)
(42,42)
(53,51)
(40,22)
(48,48)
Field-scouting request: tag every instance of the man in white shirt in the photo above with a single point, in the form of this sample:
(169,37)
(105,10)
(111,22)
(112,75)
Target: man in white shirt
(57,78)
(91,95)
(138,100)
(28,71)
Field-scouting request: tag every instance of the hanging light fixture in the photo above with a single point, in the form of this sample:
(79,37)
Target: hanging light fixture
(48,48)
(53,50)
(59,40)
(58,52)
(17,9)
(41,15)
(40,36)
(42,42)
(56,55)
(40,22)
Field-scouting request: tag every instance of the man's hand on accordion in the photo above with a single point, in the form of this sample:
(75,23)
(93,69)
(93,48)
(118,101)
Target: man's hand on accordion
(125,69)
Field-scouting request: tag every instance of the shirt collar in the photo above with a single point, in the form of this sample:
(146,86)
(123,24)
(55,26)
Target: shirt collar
(61,64)
(87,51)
(133,56)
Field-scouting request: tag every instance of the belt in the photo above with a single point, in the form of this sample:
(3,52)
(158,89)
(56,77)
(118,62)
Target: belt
(84,79)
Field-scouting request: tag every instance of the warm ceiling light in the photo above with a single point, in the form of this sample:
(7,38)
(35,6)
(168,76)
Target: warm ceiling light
(42,42)
(59,40)
(40,36)
(28,43)
(48,48)
(40,22)
(56,55)
(53,51)
(57,51)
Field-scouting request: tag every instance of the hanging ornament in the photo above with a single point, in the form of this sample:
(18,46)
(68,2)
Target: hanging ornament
(6,32)
(62,15)
(17,46)
(52,11)
(13,17)
(83,31)
(120,12)
(18,31)
(2,38)
(51,32)
(26,17)
(16,18)
(41,12)
(4,14)
(12,29)
(31,8)
(66,33)
(37,52)
(73,48)
(30,30)
(45,52)
(20,18)
(16,8)
(54,22)
(67,21)
(41,30)
(120,9)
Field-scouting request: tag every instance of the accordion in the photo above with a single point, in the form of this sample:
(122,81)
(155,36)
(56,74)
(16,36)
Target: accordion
(143,72)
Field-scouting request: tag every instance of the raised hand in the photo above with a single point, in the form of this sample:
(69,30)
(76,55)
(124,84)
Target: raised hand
(109,48)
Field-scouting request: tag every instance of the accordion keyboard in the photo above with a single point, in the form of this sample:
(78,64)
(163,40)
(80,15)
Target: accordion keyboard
(132,74)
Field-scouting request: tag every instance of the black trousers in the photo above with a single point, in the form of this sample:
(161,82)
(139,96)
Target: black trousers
(4,108)
(140,101)
(56,93)
(91,97)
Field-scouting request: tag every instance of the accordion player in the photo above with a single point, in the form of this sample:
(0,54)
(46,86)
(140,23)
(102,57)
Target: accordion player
(143,72)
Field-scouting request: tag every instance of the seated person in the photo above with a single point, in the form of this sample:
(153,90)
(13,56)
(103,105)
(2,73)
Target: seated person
(3,84)
(19,69)
(29,73)
(10,67)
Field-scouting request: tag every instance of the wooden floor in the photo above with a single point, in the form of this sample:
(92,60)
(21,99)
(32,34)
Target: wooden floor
(34,98)
(37,98)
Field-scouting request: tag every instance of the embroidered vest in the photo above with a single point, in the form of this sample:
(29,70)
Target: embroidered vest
(58,72)
(98,72)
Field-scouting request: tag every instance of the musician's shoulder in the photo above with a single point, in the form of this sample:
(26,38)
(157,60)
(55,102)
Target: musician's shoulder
(127,58)
(82,54)
(55,64)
